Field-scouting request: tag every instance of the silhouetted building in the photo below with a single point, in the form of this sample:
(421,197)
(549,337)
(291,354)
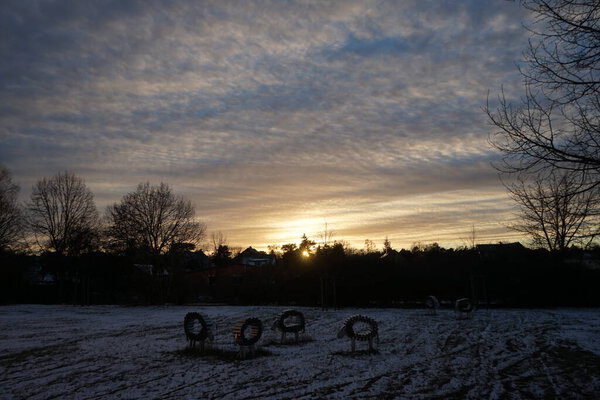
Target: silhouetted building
(254,258)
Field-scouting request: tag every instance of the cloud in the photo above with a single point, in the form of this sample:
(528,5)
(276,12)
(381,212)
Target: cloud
(264,113)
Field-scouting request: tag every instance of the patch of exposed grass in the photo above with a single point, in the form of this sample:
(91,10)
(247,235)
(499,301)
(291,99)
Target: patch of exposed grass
(569,357)
(35,353)
(354,354)
(222,354)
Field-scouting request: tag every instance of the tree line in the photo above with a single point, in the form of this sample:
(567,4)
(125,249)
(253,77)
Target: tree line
(58,235)
(142,252)
(61,217)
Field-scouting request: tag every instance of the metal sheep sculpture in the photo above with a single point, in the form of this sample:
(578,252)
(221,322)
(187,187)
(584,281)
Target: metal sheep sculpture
(370,330)
(197,329)
(246,334)
(464,307)
(290,321)
(432,304)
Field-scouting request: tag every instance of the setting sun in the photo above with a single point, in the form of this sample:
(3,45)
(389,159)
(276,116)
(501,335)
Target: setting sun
(305,253)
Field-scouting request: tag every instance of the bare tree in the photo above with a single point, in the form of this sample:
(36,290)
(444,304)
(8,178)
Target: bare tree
(326,236)
(556,125)
(235,251)
(471,239)
(152,219)
(11,218)
(273,249)
(555,212)
(387,246)
(218,240)
(370,246)
(221,254)
(63,214)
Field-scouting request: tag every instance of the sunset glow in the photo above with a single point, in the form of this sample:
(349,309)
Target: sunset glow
(274,119)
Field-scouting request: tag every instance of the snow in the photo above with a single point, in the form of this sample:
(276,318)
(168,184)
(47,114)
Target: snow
(99,352)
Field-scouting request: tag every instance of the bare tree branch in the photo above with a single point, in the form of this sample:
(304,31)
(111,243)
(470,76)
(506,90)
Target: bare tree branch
(152,220)
(555,212)
(11,216)
(62,211)
(556,125)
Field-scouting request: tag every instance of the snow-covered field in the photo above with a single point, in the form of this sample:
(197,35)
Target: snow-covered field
(106,352)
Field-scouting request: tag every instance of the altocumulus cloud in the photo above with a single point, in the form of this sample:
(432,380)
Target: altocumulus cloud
(273,117)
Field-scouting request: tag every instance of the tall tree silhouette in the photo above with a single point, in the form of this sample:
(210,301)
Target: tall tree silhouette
(10,212)
(555,212)
(152,219)
(62,213)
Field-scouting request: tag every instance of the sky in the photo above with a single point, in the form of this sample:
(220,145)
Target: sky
(275,118)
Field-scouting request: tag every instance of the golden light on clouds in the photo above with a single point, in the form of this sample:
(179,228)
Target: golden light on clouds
(445,217)
(274,120)
(290,231)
